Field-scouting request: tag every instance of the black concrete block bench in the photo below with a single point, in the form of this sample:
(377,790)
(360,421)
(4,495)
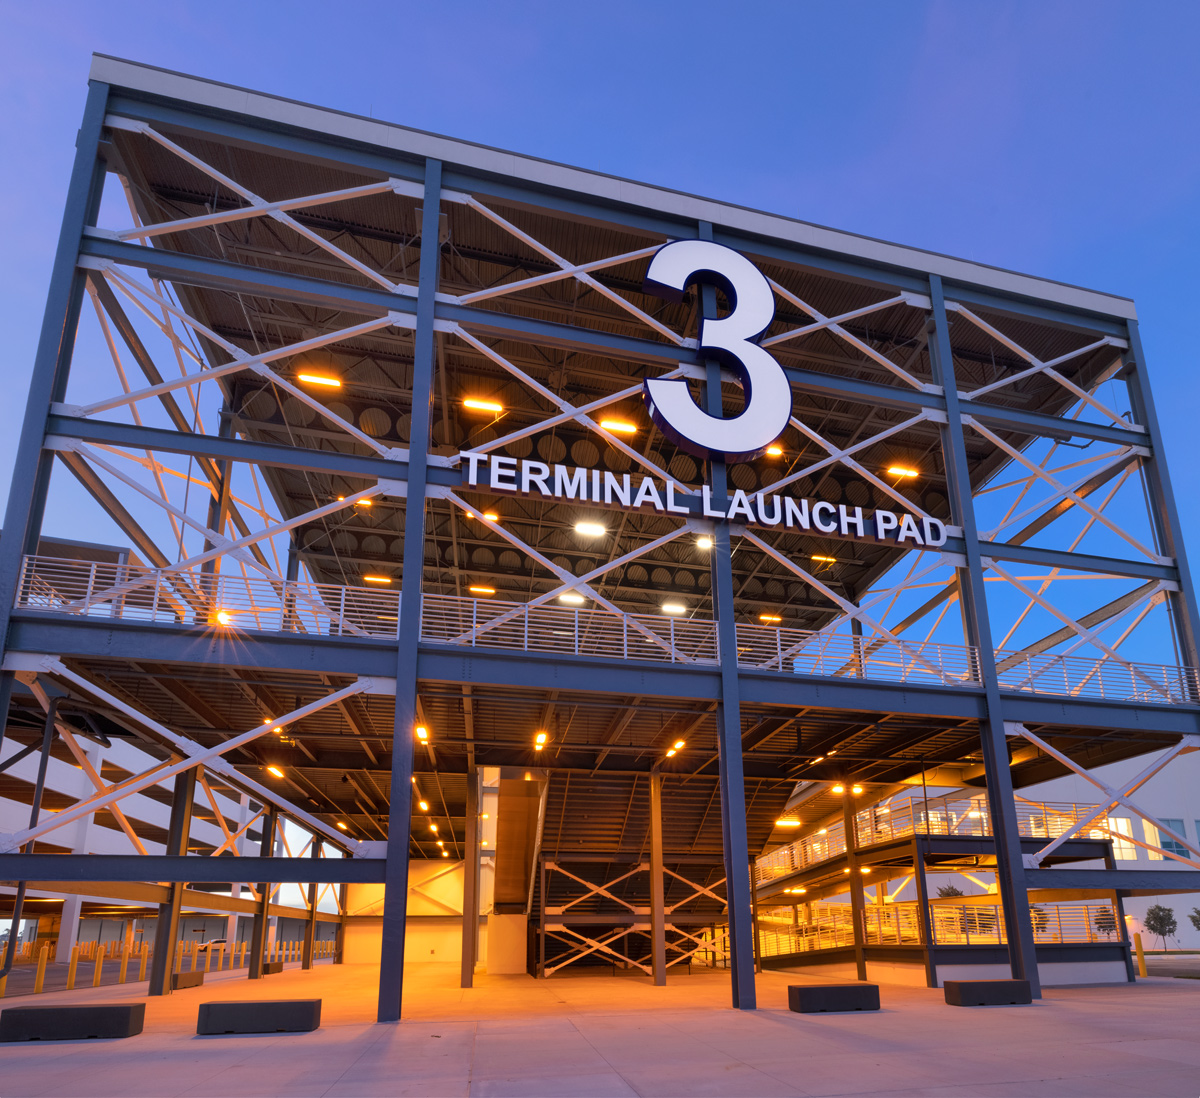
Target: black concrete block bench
(71,1023)
(186,979)
(987,992)
(262,1016)
(272,968)
(822,998)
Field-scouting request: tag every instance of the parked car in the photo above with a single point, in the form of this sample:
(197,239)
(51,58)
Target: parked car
(206,946)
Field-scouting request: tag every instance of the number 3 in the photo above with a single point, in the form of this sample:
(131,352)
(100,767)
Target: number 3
(768,394)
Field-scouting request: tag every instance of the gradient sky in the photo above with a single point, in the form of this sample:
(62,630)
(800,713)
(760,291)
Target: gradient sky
(1056,138)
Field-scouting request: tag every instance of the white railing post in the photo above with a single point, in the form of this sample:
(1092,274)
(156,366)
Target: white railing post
(525,643)
(474,621)
(576,630)
(672,625)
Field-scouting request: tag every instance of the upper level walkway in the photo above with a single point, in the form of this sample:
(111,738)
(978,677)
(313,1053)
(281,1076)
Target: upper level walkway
(248,602)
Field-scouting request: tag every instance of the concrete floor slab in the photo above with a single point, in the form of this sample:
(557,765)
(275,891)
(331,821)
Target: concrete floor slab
(594,1035)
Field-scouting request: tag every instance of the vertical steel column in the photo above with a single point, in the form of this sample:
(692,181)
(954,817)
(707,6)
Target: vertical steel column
(262,910)
(858,901)
(658,917)
(395,895)
(923,911)
(183,798)
(729,710)
(1164,513)
(48,730)
(1010,869)
(51,363)
(470,903)
(310,930)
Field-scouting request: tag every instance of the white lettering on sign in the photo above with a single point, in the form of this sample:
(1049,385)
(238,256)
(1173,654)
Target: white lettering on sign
(536,478)
(729,340)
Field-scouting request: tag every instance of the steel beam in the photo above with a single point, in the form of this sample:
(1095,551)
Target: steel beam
(1163,511)
(470,903)
(395,898)
(166,931)
(51,363)
(658,929)
(731,778)
(1010,873)
(262,913)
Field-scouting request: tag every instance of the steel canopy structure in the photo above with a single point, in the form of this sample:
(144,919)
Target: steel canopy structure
(296,356)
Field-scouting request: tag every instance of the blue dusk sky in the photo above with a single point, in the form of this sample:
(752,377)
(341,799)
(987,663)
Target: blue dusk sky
(1057,138)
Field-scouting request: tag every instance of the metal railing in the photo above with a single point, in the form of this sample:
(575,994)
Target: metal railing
(835,655)
(241,599)
(491,623)
(915,816)
(229,599)
(831,926)
(1106,679)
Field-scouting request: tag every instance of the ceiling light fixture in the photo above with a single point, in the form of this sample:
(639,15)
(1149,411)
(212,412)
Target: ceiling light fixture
(320,379)
(674,608)
(902,471)
(377,579)
(590,529)
(478,404)
(704,542)
(618,426)
(774,451)
(572,599)
(275,770)
(770,618)
(480,589)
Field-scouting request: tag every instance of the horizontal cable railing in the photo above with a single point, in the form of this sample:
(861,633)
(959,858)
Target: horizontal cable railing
(229,599)
(908,816)
(239,598)
(831,926)
(1107,679)
(579,631)
(835,655)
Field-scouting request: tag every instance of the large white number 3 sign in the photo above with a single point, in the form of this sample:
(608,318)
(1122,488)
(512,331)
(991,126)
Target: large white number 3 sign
(768,395)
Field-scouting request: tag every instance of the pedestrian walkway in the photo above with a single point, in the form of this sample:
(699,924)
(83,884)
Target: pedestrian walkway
(586,1035)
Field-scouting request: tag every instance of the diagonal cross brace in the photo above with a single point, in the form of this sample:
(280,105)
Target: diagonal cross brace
(568,580)
(1013,728)
(193,755)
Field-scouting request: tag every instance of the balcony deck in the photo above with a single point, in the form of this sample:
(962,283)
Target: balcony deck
(247,602)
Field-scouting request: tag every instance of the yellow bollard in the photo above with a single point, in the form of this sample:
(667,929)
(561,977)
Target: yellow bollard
(124,969)
(40,978)
(71,967)
(3,985)
(142,963)
(208,957)
(179,948)
(99,968)
(1141,957)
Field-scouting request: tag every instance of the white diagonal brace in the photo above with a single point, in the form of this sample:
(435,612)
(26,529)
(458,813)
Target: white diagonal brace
(837,329)
(1130,788)
(701,890)
(1044,367)
(255,200)
(1090,635)
(595,889)
(844,456)
(566,264)
(1013,728)
(222,544)
(554,276)
(570,414)
(223,217)
(1063,490)
(539,600)
(566,407)
(571,581)
(193,755)
(853,314)
(850,609)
